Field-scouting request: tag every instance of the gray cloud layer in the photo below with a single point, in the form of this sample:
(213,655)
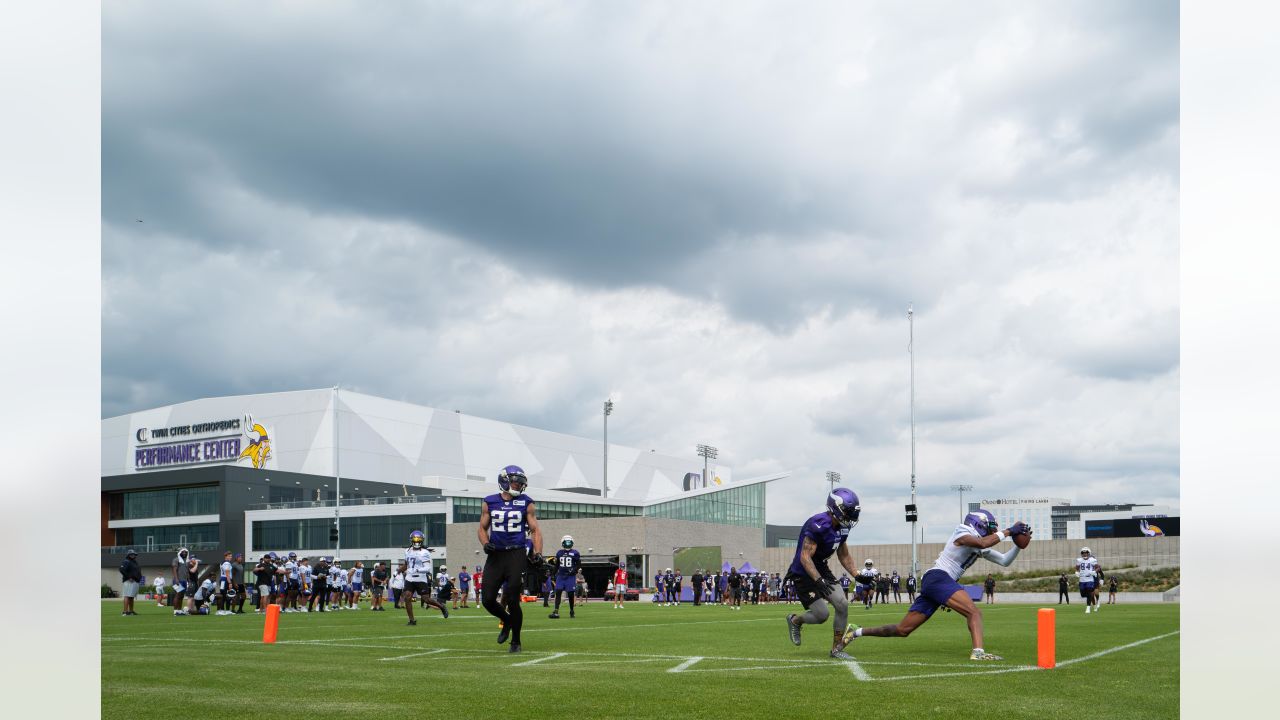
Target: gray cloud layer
(717,217)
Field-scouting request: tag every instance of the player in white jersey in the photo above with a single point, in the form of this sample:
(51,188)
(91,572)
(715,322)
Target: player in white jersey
(306,584)
(356,587)
(417,575)
(1087,568)
(226,585)
(293,583)
(866,579)
(337,585)
(970,541)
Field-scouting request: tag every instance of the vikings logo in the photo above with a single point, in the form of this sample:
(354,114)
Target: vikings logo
(259,450)
(1150,530)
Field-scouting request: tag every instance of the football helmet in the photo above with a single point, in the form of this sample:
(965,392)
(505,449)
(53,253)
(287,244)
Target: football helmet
(983,521)
(1084,552)
(293,556)
(417,538)
(512,480)
(566,542)
(843,505)
(868,564)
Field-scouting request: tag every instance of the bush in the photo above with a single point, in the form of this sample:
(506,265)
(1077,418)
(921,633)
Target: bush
(107,592)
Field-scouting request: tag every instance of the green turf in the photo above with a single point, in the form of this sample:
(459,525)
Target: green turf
(619,663)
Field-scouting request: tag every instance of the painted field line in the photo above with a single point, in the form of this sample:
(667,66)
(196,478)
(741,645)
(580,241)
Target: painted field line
(857,670)
(685,665)
(1108,651)
(780,666)
(535,661)
(1026,668)
(632,661)
(437,651)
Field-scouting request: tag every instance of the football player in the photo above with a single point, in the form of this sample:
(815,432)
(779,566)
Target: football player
(1087,568)
(226,585)
(417,575)
(975,538)
(292,583)
(306,584)
(509,516)
(568,562)
(866,579)
(620,584)
(822,535)
(464,586)
(444,585)
(356,588)
(183,583)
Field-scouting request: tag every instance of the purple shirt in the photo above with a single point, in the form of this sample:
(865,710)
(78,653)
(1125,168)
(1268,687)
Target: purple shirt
(508,520)
(826,535)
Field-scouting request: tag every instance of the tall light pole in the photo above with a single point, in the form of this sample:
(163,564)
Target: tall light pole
(337,480)
(708,453)
(833,477)
(911,351)
(608,410)
(962,489)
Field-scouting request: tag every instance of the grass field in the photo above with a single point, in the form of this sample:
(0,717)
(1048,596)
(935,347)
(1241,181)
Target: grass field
(643,661)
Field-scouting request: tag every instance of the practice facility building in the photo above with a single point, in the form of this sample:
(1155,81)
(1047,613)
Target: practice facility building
(336,472)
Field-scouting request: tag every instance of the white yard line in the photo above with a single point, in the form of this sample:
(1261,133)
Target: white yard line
(535,661)
(1108,651)
(437,651)
(685,665)
(857,670)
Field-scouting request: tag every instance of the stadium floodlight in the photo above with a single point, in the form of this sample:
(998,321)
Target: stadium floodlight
(962,489)
(608,410)
(708,453)
(833,477)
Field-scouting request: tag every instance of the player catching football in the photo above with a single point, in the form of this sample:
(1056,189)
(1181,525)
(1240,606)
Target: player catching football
(971,540)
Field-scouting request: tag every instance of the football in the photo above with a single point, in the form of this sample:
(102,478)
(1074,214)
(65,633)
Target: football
(1022,540)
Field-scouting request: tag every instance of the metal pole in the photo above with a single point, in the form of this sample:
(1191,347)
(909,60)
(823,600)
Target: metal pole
(337,477)
(608,408)
(911,350)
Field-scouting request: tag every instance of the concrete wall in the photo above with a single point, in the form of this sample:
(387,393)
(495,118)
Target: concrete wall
(1049,555)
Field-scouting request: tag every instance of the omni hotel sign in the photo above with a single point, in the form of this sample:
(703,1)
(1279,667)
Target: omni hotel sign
(1021,501)
(180,445)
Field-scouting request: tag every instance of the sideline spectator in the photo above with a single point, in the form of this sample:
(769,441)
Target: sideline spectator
(1063,587)
(1111,591)
(989,588)
(130,579)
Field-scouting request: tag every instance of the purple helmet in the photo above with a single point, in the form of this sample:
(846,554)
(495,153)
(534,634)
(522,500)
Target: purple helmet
(982,521)
(511,477)
(842,503)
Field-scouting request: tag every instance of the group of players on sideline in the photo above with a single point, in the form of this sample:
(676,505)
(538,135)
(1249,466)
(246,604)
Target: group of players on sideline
(512,541)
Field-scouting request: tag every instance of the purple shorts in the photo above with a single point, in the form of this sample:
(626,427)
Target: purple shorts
(936,588)
(568,583)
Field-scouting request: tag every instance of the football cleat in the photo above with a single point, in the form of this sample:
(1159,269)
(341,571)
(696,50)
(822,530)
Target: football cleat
(503,634)
(444,611)
(793,629)
(980,655)
(412,622)
(515,648)
(554,616)
(840,655)
(848,636)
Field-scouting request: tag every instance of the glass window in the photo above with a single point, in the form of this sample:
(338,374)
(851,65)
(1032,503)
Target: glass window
(166,502)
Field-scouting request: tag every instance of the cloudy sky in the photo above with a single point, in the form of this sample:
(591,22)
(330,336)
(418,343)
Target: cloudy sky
(716,213)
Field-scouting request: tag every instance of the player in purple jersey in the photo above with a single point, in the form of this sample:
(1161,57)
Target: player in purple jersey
(974,538)
(509,515)
(821,536)
(568,562)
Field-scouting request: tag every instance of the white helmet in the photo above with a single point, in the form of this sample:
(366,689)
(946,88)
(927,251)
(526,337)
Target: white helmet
(868,563)
(566,542)
(1085,551)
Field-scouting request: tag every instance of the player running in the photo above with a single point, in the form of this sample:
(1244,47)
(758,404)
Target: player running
(866,578)
(823,534)
(971,540)
(417,575)
(568,562)
(1087,569)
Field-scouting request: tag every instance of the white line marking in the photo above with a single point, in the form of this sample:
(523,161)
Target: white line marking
(791,666)
(685,665)
(539,660)
(857,670)
(437,651)
(1100,653)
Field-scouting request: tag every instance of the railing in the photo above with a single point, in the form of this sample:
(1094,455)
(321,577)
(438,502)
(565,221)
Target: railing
(161,547)
(350,502)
